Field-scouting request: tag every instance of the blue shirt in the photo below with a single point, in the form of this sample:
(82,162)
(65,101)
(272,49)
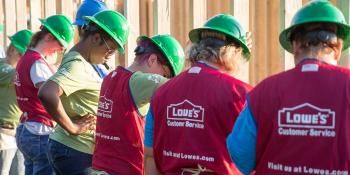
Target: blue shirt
(241,143)
(149,128)
(101,70)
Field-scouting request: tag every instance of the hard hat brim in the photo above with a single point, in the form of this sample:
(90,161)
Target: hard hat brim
(285,42)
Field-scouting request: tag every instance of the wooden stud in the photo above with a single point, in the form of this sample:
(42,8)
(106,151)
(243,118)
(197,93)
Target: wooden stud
(162,16)
(240,9)
(343,5)
(260,32)
(21,14)
(131,9)
(290,8)
(35,15)
(199,13)
(274,50)
(50,8)
(10,20)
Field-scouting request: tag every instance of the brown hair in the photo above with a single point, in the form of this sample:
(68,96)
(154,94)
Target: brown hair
(213,47)
(37,37)
(319,39)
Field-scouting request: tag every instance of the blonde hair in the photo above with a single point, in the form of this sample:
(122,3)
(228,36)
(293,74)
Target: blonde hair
(214,48)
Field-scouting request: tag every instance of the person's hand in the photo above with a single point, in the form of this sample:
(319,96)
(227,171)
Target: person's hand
(81,125)
(249,40)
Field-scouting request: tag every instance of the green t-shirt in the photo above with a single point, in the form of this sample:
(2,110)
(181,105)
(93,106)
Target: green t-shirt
(142,87)
(9,110)
(81,85)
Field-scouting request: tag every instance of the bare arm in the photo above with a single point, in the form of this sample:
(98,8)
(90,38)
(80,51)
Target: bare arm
(150,165)
(49,94)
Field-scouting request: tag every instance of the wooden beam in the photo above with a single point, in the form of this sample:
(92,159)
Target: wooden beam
(132,13)
(240,9)
(260,32)
(35,14)
(50,8)
(10,19)
(343,5)
(288,10)
(274,50)
(198,15)
(67,8)
(162,16)
(21,14)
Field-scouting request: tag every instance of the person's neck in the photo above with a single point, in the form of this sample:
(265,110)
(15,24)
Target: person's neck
(134,67)
(83,50)
(324,58)
(11,61)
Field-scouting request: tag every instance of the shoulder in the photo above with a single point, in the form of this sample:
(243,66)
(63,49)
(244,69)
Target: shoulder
(5,68)
(147,78)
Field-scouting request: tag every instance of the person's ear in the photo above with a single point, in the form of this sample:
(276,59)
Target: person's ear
(49,37)
(95,39)
(152,60)
(338,49)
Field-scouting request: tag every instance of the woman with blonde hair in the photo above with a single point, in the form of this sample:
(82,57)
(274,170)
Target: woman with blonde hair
(192,114)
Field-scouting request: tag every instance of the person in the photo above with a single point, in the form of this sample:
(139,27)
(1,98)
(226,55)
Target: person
(31,72)
(11,159)
(124,101)
(192,114)
(90,8)
(296,122)
(71,95)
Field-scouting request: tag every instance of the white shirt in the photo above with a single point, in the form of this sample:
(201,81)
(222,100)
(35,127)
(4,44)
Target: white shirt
(39,72)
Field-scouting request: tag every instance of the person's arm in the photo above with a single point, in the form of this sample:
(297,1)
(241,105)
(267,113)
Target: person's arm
(49,94)
(150,166)
(241,143)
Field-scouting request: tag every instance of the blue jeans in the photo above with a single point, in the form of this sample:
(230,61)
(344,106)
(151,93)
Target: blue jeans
(68,161)
(34,149)
(11,162)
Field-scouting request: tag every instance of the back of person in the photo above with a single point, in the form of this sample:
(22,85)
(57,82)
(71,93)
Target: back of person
(9,111)
(293,117)
(128,135)
(199,117)
(124,101)
(27,92)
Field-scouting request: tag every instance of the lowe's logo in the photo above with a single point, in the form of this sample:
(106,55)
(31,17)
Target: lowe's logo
(306,116)
(185,111)
(105,105)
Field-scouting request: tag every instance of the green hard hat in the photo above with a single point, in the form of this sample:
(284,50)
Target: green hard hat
(113,23)
(226,24)
(171,49)
(60,27)
(21,40)
(317,11)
